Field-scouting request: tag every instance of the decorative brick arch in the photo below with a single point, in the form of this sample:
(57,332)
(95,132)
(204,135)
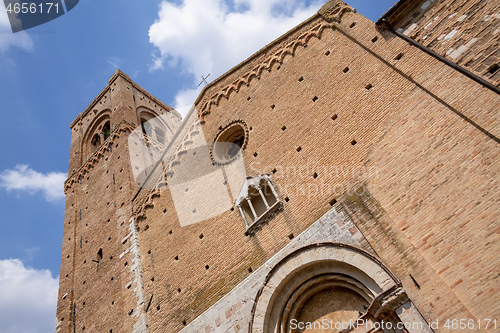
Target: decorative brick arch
(318,266)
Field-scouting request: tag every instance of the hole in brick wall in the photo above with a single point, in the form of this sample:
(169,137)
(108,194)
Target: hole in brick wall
(201,236)
(352,25)
(153,279)
(99,254)
(273,106)
(207,267)
(287,199)
(121,170)
(83,328)
(149,252)
(251,128)
(121,187)
(301,79)
(83,282)
(158,307)
(86,224)
(170,232)
(327,53)
(353,142)
(334,117)
(129,286)
(283,128)
(67,275)
(250,270)
(110,331)
(299,148)
(109,220)
(184,322)
(123,203)
(164,211)
(315,175)
(493,69)
(109,238)
(176,257)
(368,86)
(291,236)
(146,227)
(111,258)
(85,261)
(333,202)
(248,98)
(315,98)
(399,56)
(374,39)
(112,278)
(346,70)
(113,303)
(118,157)
(274,170)
(232,208)
(130,312)
(255,154)
(126,263)
(179,290)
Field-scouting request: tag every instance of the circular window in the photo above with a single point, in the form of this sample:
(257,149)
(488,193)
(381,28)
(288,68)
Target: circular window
(229,142)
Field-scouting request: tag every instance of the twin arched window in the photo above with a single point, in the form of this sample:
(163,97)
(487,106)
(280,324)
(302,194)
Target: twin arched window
(102,132)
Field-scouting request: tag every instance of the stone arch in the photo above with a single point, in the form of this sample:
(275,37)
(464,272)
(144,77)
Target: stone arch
(98,131)
(329,270)
(159,128)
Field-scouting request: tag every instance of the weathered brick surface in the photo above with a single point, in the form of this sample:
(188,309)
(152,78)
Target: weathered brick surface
(466,32)
(407,144)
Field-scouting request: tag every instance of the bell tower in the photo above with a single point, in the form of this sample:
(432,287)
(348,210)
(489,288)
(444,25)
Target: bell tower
(100,287)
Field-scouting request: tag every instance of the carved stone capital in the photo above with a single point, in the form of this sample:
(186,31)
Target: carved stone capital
(333,10)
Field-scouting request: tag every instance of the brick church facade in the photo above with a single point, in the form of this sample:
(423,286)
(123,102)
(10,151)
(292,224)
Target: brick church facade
(370,154)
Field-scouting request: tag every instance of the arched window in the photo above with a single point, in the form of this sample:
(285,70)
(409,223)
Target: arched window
(99,132)
(229,142)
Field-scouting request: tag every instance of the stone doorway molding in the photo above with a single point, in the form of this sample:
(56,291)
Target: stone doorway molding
(326,266)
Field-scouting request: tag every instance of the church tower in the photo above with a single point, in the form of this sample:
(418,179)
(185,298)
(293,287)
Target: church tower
(97,291)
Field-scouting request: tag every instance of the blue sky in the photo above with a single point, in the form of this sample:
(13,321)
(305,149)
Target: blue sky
(50,73)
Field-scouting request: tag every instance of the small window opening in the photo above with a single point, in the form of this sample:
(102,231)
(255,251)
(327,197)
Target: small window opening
(229,143)
(96,140)
(106,129)
(333,202)
(346,69)
(374,39)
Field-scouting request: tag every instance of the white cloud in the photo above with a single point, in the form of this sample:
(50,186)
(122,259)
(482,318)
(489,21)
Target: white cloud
(212,36)
(28,298)
(23,178)
(7,38)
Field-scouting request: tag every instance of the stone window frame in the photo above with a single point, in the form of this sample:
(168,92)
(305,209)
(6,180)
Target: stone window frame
(253,191)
